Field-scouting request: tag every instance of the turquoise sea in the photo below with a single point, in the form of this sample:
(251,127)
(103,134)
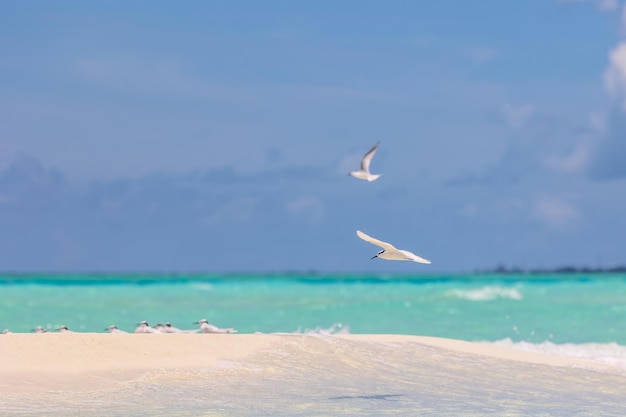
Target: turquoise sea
(577,316)
(559,308)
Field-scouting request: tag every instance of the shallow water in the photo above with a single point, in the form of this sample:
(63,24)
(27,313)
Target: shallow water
(324,375)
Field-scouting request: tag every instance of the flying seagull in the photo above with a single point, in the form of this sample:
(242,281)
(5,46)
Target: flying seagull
(364,172)
(390,252)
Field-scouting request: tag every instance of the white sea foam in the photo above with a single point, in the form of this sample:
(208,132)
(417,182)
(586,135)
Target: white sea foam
(487,293)
(606,353)
(336,328)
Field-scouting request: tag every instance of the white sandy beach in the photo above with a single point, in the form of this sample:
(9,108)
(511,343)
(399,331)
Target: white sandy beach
(293,374)
(84,361)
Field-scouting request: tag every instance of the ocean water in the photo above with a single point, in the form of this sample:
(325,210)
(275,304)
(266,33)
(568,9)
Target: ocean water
(521,308)
(579,316)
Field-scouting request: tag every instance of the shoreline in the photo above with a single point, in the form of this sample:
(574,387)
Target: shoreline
(32,363)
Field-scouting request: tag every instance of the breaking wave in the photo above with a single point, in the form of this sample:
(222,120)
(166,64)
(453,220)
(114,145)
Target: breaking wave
(487,293)
(606,353)
(336,328)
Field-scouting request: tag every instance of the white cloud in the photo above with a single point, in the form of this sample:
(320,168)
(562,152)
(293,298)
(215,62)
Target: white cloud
(615,75)
(604,156)
(554,212)
(601,5)
(517,115)
(606,5)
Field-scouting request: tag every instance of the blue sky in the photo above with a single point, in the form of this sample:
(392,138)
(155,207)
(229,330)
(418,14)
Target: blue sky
(216,136)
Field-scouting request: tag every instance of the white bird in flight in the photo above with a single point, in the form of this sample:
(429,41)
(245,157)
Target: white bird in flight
(390,252)
(364,172)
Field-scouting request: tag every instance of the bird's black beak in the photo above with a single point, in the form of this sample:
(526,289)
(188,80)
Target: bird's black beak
(375,256)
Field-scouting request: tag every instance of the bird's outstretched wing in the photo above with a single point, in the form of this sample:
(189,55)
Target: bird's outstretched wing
(365,162)
(413,257)
(373,241)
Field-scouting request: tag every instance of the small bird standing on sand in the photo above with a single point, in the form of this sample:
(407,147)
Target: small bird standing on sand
(168,328)
(144,327)
(6,331)
(206,327)
(113,329)
(40,329)
(64,329)
(390,252)
(364,172)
